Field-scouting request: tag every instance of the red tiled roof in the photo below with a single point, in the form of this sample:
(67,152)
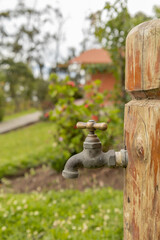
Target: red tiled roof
(92,56)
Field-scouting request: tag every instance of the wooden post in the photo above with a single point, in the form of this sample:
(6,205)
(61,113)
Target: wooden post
(142,133)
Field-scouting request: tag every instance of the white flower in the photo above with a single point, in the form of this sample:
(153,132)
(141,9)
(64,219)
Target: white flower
(3,228)
(73,227)
(39,189)
(5,214)
(98,228)
(56,223)
(62,222)
(35,233)
(106,217)
(101,184)
(24,201)
(15,202)
(19,208)
(84,227)
(54,144)
(56,214)
(69,222)
(36,213)
(117,210)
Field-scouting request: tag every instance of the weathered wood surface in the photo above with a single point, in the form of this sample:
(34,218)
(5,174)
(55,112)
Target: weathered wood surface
(142,134)
(142,176)
(143,59)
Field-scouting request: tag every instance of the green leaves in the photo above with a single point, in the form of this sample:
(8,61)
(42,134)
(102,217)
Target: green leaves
(19,77)
(111,26)
(98,68)
(30,31)
(156,10)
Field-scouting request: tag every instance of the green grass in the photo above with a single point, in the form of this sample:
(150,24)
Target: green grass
(19,114)
(70,214)
(25,148)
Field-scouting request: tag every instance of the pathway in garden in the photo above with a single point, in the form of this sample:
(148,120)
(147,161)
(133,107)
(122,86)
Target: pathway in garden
(20,122)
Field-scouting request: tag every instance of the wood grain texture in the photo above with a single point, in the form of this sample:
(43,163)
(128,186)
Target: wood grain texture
(143,60)
(142,176)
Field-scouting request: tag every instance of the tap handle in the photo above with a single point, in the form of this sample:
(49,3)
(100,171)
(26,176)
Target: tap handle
(92,125)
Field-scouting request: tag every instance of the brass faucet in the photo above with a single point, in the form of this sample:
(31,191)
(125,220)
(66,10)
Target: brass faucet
(92,155)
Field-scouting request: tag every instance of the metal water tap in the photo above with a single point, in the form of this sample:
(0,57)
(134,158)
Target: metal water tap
(92,155)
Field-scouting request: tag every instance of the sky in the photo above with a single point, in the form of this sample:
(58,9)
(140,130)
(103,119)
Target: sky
(75,12)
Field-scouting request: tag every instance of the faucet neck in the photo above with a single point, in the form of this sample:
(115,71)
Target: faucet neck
(92,141)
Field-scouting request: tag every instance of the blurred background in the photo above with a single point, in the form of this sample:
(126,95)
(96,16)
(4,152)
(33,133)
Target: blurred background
(62,62)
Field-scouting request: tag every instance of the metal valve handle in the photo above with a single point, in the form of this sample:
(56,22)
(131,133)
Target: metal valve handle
(92,125)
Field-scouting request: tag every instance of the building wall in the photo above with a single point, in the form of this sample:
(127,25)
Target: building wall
(108,80)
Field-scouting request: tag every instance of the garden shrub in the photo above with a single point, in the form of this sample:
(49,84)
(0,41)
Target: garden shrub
(68,140)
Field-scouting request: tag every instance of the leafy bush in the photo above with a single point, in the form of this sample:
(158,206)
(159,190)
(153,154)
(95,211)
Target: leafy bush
(68,139)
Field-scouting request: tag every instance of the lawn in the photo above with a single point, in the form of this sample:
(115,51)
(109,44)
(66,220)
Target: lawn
(95,214)
(25,148)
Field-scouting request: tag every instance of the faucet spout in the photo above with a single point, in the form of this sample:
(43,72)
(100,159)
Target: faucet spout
(94,158)
(72,166)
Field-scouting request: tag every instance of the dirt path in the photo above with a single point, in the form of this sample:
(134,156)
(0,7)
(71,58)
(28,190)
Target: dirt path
(44,179)
(20,122)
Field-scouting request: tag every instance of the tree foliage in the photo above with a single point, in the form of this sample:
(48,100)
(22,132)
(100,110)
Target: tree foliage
(18,80)
(111,26)
(27,34)
(156,10)
(27,38)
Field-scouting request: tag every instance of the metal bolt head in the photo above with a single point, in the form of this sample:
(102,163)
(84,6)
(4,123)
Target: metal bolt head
(112,158)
